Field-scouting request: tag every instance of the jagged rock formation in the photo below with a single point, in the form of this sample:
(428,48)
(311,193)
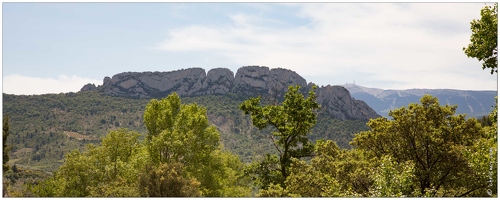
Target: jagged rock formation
(261,80)
(155,84)
(194,82)
(252,79)
(339,103)
(88,87)
(219,81)
(249,80)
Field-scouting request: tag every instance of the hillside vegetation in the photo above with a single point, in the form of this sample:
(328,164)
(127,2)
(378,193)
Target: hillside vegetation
(46,127)
(88,144)
(424,150)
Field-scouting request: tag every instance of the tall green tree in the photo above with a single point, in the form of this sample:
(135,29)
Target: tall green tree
(484,38)
(5,147)
(292,121)
(432,137)
(181,133)
(482,155)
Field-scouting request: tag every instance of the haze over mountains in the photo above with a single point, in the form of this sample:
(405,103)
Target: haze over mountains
(472,103)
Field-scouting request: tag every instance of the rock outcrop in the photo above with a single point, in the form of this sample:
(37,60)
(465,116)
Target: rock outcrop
(338,102)
(194,82)
(249,80)
(186,82)
(261,80)
(88,87)
(219,81)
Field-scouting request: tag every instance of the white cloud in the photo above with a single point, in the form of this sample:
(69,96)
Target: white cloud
(389,42)
(23,85)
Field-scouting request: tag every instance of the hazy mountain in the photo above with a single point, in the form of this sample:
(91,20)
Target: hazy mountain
(473,103)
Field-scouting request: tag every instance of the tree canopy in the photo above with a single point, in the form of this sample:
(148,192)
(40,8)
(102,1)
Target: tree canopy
(181,156)
(292,121)
(181,133)
(431,138)
(422,150)
(484,38)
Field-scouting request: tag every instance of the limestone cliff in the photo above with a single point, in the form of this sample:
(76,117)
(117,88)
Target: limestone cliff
(249,80)
(339,103)
(261,80)
(89,86)
(155,84)
(219,81)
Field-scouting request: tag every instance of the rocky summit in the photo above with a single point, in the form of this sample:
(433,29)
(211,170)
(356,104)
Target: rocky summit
(338,102)
(248,80)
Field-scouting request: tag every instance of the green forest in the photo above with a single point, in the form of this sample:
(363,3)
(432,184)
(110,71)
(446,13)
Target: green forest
(87,144)
(423,150)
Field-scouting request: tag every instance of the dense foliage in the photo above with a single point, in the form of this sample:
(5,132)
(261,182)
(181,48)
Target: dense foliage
(180,133)
(91,145)
(430,139)
(423,150)
(180,157)
(291,121)
(40,125)
(484,38)
(5,147)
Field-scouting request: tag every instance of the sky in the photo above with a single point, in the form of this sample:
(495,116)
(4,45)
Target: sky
(59,47)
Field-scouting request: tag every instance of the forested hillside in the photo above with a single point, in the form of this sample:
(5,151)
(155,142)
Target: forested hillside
(261,140)
(182,154)
(46,127)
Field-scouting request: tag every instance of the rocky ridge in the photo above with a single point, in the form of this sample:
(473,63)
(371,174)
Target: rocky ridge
(249,80)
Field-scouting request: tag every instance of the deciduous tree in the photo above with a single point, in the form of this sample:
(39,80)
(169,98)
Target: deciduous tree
(430,136)
(484,38)
(292,121)
(181,133)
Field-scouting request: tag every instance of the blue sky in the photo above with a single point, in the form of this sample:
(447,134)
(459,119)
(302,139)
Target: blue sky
(59,47)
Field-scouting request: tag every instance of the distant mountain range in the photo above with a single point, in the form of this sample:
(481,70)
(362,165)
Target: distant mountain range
(472,103)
